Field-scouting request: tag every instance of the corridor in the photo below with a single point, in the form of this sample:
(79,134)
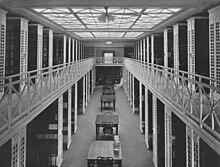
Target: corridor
(134,150)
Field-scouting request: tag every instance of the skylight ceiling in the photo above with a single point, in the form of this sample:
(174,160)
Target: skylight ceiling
(129,22)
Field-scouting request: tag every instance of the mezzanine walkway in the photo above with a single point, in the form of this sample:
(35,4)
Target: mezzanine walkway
(134,151)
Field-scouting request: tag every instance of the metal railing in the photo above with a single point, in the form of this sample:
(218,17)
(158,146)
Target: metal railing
(109,61)
(21,94)
(196,97)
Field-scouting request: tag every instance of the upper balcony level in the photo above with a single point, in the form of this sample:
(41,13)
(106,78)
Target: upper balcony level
(115,61)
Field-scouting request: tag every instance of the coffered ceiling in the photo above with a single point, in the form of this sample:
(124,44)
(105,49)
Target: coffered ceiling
(133,18)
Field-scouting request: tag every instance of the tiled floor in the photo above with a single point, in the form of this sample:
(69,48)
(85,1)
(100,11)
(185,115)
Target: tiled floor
(134,151)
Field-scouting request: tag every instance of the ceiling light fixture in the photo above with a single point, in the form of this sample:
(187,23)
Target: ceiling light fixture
(108,42)
(106,17)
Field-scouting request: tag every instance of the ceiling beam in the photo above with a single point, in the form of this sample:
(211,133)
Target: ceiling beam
(101,3)
(109,30)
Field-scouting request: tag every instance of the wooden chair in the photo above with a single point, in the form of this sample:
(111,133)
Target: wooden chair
(108,130)
(105,162)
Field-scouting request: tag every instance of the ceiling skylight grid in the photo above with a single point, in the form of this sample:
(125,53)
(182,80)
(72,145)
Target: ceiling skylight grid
(127,21)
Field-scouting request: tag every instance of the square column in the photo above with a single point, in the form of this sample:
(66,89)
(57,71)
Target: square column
(47,48)
(2,50)
(140,106)
(192,148)
(84,93)
(17,48)
(146,117)
(60,132)
(133,106)
(69,129)
(73,50)
(18,151)
(144,50)
(168,137)
(155,149)
(35,47)
(75,108)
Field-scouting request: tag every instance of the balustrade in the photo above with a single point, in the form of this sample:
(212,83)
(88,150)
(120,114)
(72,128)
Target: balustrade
(22,96)
(197,99)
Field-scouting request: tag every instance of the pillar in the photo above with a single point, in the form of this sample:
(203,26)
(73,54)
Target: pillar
(47,47)
(18,151)
(89,85)
(84,93)
(168,137)
(60,132)
(69,50)
(146,117)
(140,106)
(2,50)
(152,49)
(73,50)
(144,50)
(148,49)
(131,87)
(75,113)
(133,107)
(192,148)
(155,152)
(69,118)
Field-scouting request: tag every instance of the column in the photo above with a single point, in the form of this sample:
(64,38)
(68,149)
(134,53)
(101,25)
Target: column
(17,54)
(76,51)
(86,89)
(131,86)
(64,50)
(60,132)
(146,117)
(47,47)
(192,148)
(140,106)
(89,85)
(180,46)
(148,49)
(155,152)
(18,150)
(69,118)
(35,47)
(84,92)
(75,113)
(165,36)
(2,48)
(214,64)
(73,50)
(152,49)
(168,137)
(133,107)
(141,50)
(144,50)
(69,50)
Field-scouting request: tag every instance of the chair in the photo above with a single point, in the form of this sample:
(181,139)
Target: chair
(108,130)
(105,162)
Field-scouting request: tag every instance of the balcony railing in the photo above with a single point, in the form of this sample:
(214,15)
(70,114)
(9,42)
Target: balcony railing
(22,94)
(109,61)
(197,98)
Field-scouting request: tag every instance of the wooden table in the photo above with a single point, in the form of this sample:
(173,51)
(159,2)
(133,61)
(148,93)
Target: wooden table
(106,118)
(108,91)
(103,149)
(108,99)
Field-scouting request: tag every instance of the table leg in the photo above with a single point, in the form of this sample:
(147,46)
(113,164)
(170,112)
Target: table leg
(116,129)
(119,163)
(97,132)
(114,105)
(101,105)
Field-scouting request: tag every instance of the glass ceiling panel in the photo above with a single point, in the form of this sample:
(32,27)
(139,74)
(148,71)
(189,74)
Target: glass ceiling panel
(128,19)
